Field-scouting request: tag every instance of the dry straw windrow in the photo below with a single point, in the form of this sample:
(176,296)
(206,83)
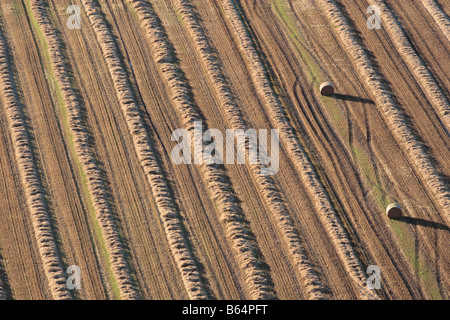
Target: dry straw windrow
(266,184)
(439,16)
(392,114)
(415,63)
(235,225)
(144,149)
(85,155)
(298,155)
(31,181)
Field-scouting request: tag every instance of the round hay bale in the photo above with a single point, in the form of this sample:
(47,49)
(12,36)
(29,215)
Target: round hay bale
(327,89)
(394,211)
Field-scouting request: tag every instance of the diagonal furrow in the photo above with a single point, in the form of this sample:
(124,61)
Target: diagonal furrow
(80,135)
(265,183)
(144,148)
(299,157)
(31,181)
(2,291)
(415,63)
(232,216)
(392,114)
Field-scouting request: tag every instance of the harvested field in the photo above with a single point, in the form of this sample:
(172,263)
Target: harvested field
(97,95)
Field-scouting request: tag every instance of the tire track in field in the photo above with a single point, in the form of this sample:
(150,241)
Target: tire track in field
(34,191)
(146,154)
(380,165)
(265,183)
(415,63)
(80,135)
(394,117)
(421,204)
(380,246)
(235,223)
(300,159)
(318,132)
(439,16)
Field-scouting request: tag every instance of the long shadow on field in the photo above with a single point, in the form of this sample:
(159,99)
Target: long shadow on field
(351,98)
(424,223)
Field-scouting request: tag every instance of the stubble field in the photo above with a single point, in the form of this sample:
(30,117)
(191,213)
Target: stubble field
(88,109)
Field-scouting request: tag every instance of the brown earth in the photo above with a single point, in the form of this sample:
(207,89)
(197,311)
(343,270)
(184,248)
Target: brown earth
(67,206)
(309,231)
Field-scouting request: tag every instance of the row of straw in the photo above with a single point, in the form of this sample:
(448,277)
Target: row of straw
(30,177)
(79,133)
(146,154)
(298,156)
(265,183)
(415,63)
(389,109)
(235,224)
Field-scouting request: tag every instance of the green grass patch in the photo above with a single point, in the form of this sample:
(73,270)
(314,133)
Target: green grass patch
(338,117)
(314,73)
(283,13)
(407,241)
(56,92)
